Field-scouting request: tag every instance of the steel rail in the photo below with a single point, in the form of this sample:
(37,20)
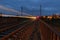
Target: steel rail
(11,26)
(15,31)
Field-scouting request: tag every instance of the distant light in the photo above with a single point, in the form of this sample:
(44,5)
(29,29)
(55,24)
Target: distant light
(49,17)
(32,18)
(44,16)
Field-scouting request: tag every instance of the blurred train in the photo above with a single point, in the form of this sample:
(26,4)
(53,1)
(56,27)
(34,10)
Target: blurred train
(30,17)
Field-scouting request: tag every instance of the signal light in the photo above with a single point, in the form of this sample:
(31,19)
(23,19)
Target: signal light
(38,17)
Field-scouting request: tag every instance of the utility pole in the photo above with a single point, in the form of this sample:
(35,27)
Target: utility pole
(32,11)
(21,10)
(17,14)
(40,10)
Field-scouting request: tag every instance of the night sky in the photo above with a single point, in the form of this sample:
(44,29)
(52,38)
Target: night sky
(32,7)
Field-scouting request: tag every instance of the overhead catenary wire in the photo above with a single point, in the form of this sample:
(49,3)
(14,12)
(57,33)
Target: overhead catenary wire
(12,10)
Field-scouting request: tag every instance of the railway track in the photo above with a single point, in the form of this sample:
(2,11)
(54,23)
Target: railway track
(28,30)
(53,22)
(20,31)
(5,29)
